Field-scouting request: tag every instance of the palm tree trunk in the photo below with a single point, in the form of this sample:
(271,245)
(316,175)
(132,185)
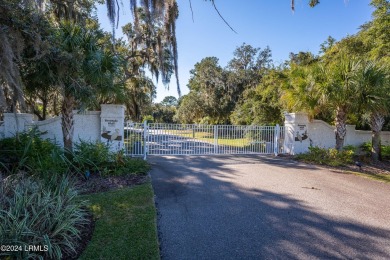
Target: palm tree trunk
(67,121)
(341,130)
(376,122)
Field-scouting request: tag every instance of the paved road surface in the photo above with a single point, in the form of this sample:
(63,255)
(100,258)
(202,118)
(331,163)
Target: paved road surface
(256,207)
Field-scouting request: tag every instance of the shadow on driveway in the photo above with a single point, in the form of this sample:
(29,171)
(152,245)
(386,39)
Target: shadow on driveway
(256,207)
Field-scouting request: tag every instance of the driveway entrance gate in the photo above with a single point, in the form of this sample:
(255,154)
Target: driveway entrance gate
(142,139)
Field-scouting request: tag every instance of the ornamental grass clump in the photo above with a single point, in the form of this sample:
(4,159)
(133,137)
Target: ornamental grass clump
(40,220)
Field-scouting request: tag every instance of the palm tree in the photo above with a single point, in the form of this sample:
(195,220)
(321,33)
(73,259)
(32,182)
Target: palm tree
(322,87)
(339,92)
(301,91)
(374,100)
(83,67)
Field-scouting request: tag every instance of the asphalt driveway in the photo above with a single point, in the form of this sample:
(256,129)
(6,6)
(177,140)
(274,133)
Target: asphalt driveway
(257,207)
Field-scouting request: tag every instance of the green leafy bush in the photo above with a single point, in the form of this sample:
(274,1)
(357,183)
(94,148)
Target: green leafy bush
(92,156)
(28,152)
(330,157)
(386,151)
(96,157)
(36,214)
(148,118)
(366,147)
(123,164)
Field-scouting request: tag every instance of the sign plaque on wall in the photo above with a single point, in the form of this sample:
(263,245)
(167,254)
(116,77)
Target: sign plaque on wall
(301,133)
(111,133)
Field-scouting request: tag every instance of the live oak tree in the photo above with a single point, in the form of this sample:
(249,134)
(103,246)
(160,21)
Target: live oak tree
(167,11)
(21,27)
(208,86)
(261,104)
(169,101)
(246,69)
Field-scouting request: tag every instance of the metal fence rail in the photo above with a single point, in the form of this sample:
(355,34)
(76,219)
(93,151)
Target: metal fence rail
(134,138)
(194,139)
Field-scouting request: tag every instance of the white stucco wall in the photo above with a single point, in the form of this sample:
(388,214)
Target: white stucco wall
(14,123)
(86,126)
(2,129)
(322,134)
(53,128)
(357,137)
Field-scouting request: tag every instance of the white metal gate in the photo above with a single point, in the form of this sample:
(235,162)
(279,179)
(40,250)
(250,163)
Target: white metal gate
(143,139)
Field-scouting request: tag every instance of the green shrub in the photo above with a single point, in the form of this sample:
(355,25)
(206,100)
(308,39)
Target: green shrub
(123,164)
(92,156)
(330,157)
(148,118)
(97,158)
(386,151)
(36,214)
(366,147)
(28,152)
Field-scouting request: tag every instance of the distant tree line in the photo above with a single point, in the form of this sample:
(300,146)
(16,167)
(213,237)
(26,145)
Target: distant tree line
(346,83)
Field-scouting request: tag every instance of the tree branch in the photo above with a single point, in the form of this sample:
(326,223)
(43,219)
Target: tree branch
(216,9)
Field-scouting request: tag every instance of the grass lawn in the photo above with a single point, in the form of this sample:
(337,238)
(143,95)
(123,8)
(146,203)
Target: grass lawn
(209,137)
(125,224)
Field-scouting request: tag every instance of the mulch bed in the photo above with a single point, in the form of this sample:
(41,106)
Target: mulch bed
(368,166)
(96,183)
(381,167)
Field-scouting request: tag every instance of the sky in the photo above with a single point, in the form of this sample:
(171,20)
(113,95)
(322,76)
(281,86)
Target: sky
(259,23)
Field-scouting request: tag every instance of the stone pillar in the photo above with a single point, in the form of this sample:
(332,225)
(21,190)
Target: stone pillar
(296,138)
(112,126)
(16,123)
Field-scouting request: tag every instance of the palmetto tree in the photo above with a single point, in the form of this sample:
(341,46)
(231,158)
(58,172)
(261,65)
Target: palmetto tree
(320,87)
(339,92)
(82,67)
(374,99)
(25,24)
(301,91)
